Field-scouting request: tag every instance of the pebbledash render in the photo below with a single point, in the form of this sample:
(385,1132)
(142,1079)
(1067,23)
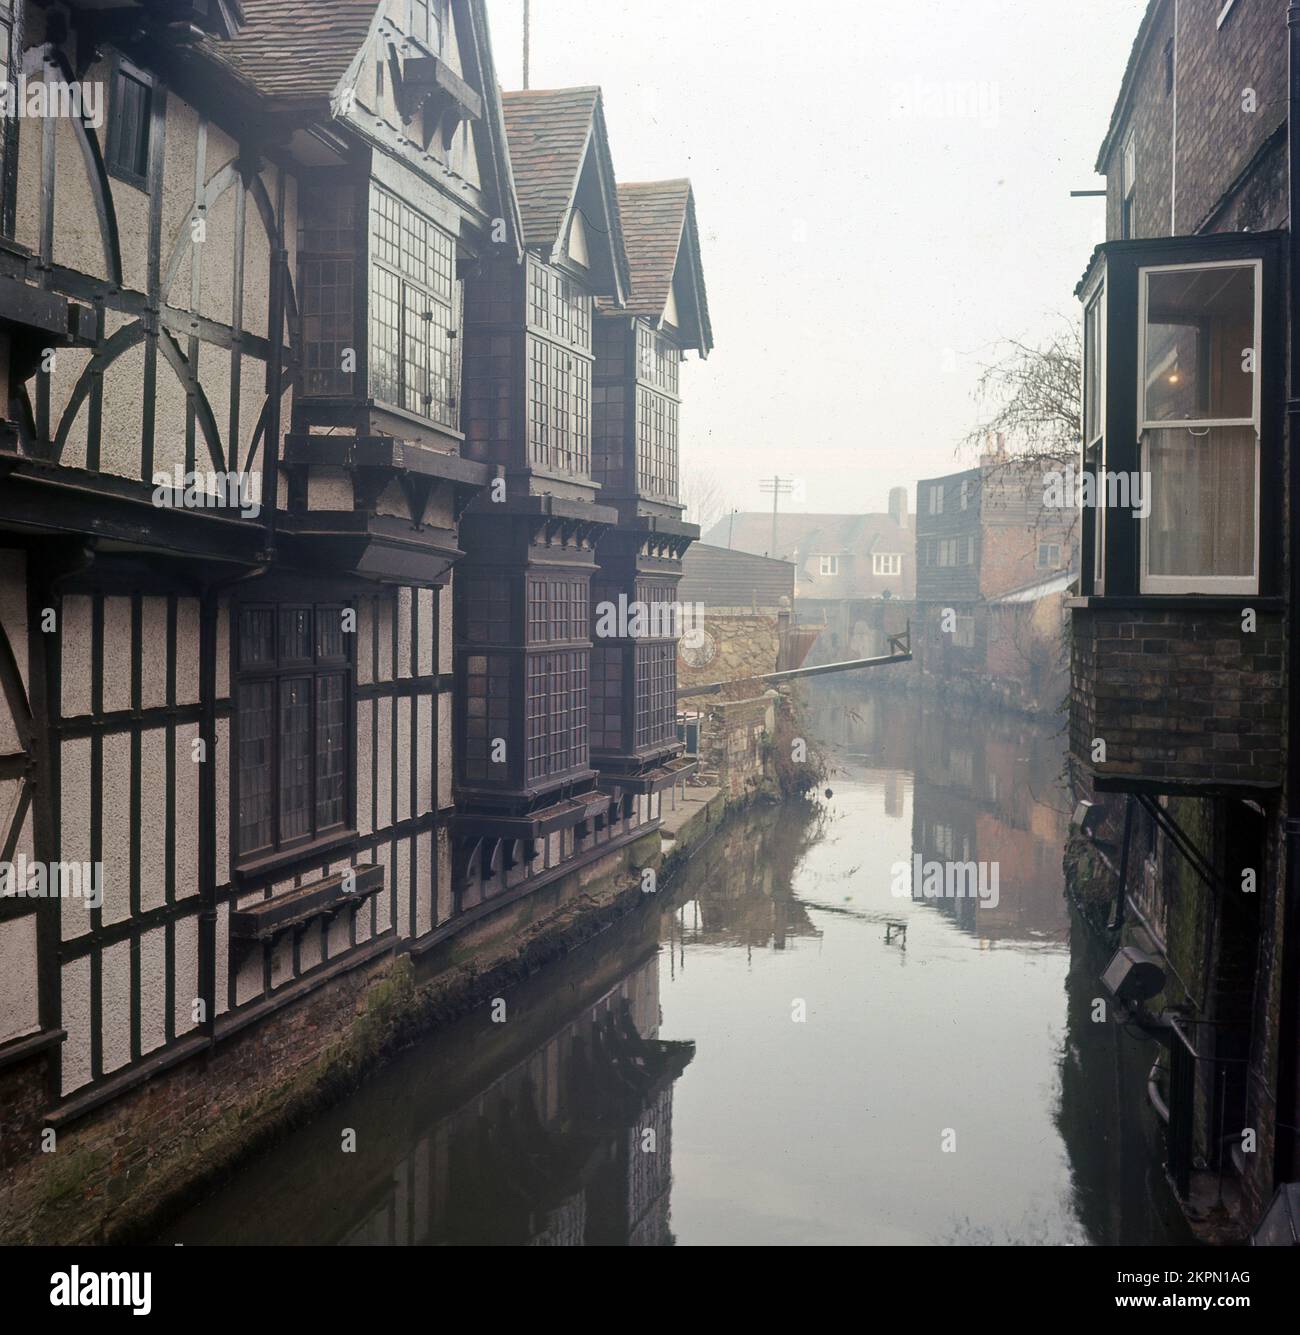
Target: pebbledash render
(314,248)
(1182,722)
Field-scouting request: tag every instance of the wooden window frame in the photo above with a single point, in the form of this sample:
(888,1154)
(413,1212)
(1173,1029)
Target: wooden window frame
(121,70)
(281,668)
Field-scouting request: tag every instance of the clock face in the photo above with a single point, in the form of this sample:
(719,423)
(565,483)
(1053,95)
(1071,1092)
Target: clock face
(701,650)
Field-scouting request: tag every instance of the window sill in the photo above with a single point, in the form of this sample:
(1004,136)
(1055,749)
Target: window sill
(270,866)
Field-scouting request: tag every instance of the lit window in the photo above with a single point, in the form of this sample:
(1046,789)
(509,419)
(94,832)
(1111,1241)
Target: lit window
(830,565)
(1199,424)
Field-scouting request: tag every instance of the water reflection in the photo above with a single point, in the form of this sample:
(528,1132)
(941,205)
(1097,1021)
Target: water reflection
(781,1051)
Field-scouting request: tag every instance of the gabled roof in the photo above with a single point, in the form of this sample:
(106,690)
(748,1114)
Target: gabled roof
(551,135)
(296,49)
(660,232)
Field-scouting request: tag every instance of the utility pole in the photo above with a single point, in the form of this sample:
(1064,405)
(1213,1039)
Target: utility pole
(777,486)
(527,33)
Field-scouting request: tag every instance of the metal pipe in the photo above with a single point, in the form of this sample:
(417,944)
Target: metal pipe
(790,674)
(1284,1155)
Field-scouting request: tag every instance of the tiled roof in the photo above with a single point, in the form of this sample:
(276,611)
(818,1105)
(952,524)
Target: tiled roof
(547,131)
(653,215)
(296,49)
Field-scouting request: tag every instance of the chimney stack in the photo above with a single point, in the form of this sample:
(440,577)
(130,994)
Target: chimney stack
(898,506)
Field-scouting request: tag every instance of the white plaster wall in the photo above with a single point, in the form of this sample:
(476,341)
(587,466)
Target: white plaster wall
(404,603)
(153,631)
(19,1013)
(119,450)
(75,983)
(384,629)
(187,651)
(328,489)
(75,651)
(223,650)
(423,721)
(384,754)
(222,821)
(117,654)
(185,970)
(223,958)
(427,618)
(424,883)
(115,1005)
(186,866)
(153,818)
(78,242)
(365,609)
(404,745)
(115,831)
(69,363)
(403,888)
(444,751)
(153,989)
(445,638)
(74,829)
(383,900)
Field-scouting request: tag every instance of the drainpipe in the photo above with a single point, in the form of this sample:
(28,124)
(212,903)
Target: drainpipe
(1285,1143)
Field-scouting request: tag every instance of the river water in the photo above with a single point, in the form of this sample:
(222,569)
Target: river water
(783,1049)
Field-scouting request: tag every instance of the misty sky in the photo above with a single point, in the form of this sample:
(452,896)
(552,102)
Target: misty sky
(883,192)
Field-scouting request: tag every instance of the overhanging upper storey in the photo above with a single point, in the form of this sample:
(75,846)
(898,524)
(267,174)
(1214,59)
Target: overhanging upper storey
(1180,478)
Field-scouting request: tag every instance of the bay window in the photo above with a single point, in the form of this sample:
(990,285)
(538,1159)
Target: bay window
(414,311)
(1182,417)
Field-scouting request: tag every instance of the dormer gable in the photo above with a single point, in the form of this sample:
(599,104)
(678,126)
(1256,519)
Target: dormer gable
(663,247)
(564,181)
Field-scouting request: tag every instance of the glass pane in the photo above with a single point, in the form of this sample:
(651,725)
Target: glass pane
(1200,332)
(331,751)
(255,726)
(256,637)
(1092,427)
(1202,519)
(295,635)
(295,757)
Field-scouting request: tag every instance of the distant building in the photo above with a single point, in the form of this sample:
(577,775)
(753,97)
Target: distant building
(836,556)
(988,553)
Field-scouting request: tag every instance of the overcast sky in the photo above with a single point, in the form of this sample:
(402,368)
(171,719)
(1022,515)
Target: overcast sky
(883,193)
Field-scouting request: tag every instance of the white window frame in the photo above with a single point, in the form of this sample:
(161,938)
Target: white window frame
(936,498)
(1224,12)
(1048,547)
(965,492)
(1097,297)
(1198,583)
(829,565)
(886,563)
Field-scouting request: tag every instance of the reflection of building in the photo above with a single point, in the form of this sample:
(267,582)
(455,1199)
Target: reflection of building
(552,1127)
(982,796)
(569,1147)
(738,885)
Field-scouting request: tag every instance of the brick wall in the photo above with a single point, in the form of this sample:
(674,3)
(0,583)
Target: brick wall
(1217,135)
(1178,695)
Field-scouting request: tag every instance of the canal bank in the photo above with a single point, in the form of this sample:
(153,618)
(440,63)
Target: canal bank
(116,1174)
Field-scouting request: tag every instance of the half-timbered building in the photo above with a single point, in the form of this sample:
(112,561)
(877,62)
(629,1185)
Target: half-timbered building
(231,474)
(568,715)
